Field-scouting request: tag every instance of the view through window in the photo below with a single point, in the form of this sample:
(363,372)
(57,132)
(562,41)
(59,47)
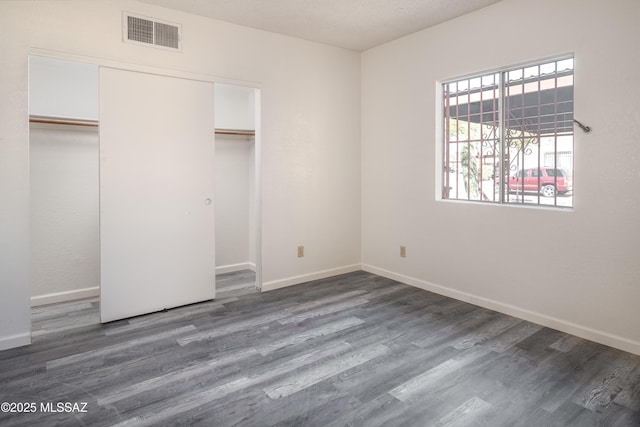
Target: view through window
(508,136)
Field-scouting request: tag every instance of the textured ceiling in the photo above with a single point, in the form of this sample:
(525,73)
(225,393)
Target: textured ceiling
(351,24)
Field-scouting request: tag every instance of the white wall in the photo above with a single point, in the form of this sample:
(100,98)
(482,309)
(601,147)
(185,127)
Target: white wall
(233,173)
(310,132)
(64,220)
(573,270)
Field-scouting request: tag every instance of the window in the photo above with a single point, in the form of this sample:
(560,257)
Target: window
(508,136)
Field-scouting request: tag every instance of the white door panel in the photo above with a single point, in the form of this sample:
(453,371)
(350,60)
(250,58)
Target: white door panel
(156,192)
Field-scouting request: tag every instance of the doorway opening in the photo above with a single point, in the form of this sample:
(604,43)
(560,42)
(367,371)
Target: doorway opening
(236,183)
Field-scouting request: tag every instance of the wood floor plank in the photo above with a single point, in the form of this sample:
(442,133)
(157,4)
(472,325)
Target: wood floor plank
(391,370)
(485,332)
(417,386)
(308,334)
(466,414)
(173,376)
(378,411)
(233,327)
(288,386)
(629,397)
(311,305)
(116,348)
(447,330)
(323,311)
(512,336)
(184,405)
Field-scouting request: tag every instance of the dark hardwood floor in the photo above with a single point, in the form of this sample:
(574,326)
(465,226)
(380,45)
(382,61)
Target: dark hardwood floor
(354,350)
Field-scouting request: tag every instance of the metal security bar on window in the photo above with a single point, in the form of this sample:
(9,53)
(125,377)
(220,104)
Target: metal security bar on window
(508,136)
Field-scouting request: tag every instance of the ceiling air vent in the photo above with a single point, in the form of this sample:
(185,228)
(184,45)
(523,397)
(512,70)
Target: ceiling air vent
(148,31)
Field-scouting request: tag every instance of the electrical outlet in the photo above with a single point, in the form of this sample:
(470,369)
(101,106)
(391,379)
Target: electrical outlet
(403,251)
(300,251)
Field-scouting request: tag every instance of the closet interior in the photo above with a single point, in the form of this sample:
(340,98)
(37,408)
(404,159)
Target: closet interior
(65,259)
(235,179)
(64,188)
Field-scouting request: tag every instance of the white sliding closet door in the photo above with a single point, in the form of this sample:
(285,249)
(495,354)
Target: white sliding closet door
(156,193)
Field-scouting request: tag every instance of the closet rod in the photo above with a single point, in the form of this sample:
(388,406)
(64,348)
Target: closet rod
(240,132)
(62,121)
(94,123)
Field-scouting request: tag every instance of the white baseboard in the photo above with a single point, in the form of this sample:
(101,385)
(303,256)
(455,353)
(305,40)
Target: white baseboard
(296,280)
(13,341)
(541,319)
(235,267)
(65,296)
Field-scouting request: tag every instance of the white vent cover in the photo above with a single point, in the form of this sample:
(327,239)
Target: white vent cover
(148,31)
